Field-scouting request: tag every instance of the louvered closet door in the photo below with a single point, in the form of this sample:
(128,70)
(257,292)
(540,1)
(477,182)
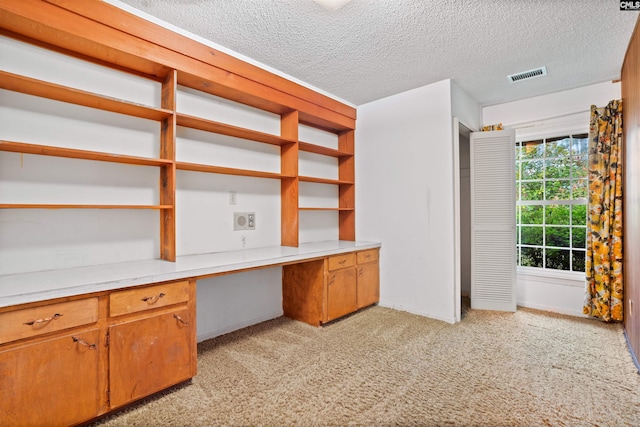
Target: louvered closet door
(493,221)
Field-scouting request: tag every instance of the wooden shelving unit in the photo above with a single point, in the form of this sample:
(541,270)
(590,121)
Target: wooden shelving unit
(100,33)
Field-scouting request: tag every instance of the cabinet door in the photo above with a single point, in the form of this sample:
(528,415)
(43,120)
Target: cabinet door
(341,293)
(52,383)
(148,355)
(368,284)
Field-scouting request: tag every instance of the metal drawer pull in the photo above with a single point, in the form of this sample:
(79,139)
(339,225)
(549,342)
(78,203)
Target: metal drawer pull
(332,280)
(45,320)
(84,343)
(360,272)
(342,262)
(153,300)
(180,320)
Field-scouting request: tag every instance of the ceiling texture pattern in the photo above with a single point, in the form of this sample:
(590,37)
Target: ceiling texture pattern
(370,49)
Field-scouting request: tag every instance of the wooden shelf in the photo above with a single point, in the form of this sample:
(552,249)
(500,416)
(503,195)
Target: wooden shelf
(45,150)
(325,180)
(326,209)
(57,92)
(228,171)
(71,206)
(318,149)
(229,130)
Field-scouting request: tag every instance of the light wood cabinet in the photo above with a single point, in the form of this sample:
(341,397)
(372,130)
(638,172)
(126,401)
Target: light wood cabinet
(151,340)
(52,382)
(50,364)
(149,354)
(368,278)
(68,361)
(323,290)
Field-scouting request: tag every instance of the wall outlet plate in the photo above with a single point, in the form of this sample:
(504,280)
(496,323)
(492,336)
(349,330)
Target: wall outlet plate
(244,221)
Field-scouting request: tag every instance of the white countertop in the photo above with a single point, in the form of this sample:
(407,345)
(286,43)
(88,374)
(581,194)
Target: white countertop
(44,285)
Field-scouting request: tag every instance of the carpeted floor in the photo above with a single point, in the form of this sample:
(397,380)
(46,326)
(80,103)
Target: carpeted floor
(382,367)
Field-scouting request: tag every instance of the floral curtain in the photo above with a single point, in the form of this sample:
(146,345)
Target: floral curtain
(604,287)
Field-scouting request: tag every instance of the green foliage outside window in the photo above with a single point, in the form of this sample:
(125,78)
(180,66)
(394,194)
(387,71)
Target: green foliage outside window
(551,186)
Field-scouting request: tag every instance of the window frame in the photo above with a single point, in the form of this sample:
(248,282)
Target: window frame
(558,135)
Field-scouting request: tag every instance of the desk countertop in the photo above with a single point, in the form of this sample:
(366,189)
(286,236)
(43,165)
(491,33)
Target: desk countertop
(40,286)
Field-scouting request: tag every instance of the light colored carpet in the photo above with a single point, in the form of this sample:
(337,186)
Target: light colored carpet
(382,367)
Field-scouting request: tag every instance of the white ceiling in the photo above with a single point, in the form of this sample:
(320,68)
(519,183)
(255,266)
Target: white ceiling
(369,49)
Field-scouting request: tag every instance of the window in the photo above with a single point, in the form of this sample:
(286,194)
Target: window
(551,202)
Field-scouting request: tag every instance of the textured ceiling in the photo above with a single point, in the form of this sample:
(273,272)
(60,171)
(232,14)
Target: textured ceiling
(369,49)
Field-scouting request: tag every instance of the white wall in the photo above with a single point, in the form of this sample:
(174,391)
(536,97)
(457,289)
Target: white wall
(404,196)
(548,115)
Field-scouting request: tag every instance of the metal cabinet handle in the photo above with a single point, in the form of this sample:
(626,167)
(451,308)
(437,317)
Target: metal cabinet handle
(342,262)
(45,320)
(153,299)
(180,320)
(84,343)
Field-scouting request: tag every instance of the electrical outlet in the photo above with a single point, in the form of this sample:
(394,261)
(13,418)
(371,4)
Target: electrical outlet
(232,197)
(244,221)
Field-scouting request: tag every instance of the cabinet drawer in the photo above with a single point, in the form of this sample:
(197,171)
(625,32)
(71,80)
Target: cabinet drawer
(149,297)
(342,261)
(29,322)
(367,256)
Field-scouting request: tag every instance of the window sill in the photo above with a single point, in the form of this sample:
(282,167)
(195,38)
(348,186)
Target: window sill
(568,278)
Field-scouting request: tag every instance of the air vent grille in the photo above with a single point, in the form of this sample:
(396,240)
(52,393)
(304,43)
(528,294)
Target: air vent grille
(526,75)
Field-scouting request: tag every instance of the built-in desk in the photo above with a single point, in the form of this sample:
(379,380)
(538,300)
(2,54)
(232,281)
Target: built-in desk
(108,335)
(39,286)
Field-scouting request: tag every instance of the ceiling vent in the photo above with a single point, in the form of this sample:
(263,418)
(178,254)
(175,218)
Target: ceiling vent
(526,75)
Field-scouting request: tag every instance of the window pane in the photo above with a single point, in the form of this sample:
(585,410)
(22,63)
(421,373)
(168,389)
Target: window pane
(532,169)
(557,214)
(579,144)
(531,257)
(579,214)
(579,189)
(557,236)
(579,167)
(532,190)
(518,255)
(532,149)
(517,150)
(557,190)
(558,147)
(579,237)
(531,214)
(532,235)
(557,259)
(558,168)
(578,259)
(517,170)
(518,235)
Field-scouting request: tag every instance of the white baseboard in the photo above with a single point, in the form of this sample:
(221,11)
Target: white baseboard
(450,320)
(559,310)
(237,326)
